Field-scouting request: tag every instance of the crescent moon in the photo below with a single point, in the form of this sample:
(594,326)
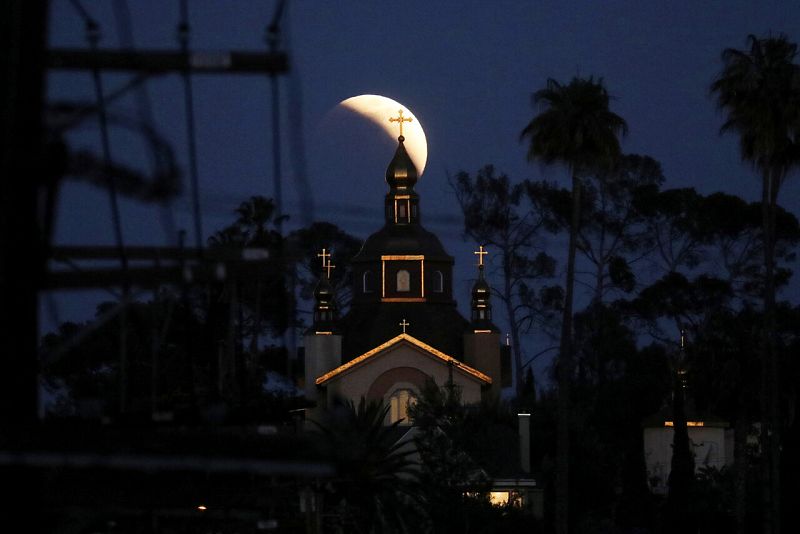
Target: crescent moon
(378,110)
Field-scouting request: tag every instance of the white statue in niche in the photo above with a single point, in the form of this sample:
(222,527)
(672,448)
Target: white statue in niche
(403,281)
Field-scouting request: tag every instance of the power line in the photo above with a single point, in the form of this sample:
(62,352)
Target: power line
(273,39)
(188,98)
(296,137)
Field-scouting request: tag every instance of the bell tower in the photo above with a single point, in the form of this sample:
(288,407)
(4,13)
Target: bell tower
(482,341)
(323,341)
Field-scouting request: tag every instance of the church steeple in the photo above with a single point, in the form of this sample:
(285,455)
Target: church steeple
(323,341)
(402,202)
(481,298)
(482,343)
(325,311)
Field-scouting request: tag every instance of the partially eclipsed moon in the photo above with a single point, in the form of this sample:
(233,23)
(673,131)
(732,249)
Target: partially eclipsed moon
(378,110)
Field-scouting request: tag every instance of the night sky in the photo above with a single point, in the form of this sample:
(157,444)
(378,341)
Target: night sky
(466,70)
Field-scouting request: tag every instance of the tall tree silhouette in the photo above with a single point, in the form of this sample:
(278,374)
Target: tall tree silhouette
(759,90)
(574,127)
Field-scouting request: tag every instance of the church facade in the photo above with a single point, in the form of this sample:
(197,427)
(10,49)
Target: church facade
(403,327)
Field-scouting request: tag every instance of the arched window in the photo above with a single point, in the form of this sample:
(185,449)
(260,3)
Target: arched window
(398,406)
(403,280)
(438,282)
(366,282)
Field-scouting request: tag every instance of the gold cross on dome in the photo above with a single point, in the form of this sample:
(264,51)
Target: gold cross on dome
(328,267)
(404,324)
(400,119)
(324,257)
(481,252)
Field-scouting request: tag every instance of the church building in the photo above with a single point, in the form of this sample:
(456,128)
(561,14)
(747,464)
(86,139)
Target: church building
(403,327)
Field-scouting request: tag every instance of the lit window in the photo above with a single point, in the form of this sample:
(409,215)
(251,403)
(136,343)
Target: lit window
(505,498)
(498,498)
(401,212)
(398,406)
(403,280)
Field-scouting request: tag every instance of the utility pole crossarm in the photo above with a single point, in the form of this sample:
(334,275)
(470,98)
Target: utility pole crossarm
(161,61)
(63,253)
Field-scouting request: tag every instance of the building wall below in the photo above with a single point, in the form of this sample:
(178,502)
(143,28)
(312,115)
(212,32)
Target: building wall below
(710,446)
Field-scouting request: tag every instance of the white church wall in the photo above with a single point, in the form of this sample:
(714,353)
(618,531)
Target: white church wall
(322,353)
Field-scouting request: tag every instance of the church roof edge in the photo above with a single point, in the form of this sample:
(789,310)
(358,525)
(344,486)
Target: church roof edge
(413,341)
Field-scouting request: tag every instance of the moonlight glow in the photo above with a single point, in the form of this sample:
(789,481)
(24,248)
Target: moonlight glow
(379,109)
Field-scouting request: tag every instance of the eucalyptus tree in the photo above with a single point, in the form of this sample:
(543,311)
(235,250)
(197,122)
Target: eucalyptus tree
(612,235)
(734,247)
(499,215)
(574,127)
(672,230)
(759,90)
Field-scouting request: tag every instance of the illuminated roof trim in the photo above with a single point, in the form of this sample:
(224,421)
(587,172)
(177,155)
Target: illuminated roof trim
(402,257)
(414,341)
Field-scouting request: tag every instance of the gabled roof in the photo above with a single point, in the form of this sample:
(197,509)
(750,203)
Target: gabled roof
(359,360)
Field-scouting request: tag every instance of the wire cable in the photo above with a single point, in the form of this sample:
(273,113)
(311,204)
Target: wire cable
(273,39)
(296,137)
(183,39)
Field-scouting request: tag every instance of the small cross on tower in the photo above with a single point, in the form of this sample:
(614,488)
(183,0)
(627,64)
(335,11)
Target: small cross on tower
(481,252)
(324,255)
(400,119)
(404,324)
(328,267)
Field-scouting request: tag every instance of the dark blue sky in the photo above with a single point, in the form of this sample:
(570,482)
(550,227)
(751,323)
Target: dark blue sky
(466,69)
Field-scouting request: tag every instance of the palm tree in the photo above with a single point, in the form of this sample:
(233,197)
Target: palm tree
(759,89)
(376,490)
(575,127)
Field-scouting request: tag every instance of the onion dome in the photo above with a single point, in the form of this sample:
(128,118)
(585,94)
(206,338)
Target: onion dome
(401,172)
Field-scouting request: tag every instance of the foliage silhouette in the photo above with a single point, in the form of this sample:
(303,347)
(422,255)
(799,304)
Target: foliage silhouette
(575,127)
